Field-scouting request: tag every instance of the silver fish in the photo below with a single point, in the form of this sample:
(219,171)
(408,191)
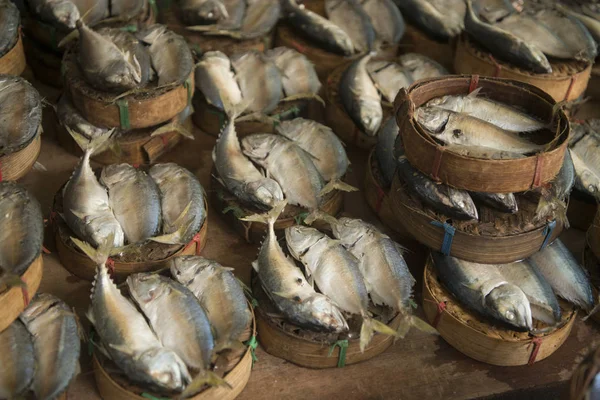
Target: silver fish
(136,52)
(219,293)
(298,75)
(260,18)
(360,97)
(483,289)
(505,202)
(591,23)
(441,19)
(182,203)
(200,12)
(389,77)
(62,13)
(259,80)
(93,11)
(329,155)
(10,19)
(418,67)
(215,78)
(352,18)
(568,279)
(71,118)
(386,20)
(134,199)
(127,9)
(17,361)
(287,288)
(494,10)
(56,343)
(384,150)
(236,9)
(586,160)
(239,175)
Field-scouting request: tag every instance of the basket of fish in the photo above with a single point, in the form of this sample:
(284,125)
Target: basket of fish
(331,32)
(538,44)
(20,127)
(303,162)
(39,351)
(360,95)
(591,257)
(261,89)
(120,79)
(187,335)
(506,314)
(223,25)
(149,216)
(363,302)
(482,134)
(134,146)
(12,55)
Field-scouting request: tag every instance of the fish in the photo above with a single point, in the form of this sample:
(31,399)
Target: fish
(317,28)
(386,20)
(94,11)
(298,75)
(20,113)
(61,13)
(134,199)
(259,80)
(352,18)
(504,202)
(182,203)
(260,18)
(560,269)
(592,24)
(388,77)
(506,45)
(219,293)
(17,361)
(542,300)
(86,207)
(286,286)
(327,150)
(171,57)
(104,65)
(384,150)
(70,117)
(565,179)
(127,9)
(442,20)
(10,20)
(125,335)
(499,114)
(239,175)
(337,274)
(289,165)
(21,229)
(553,202)
(236,9)
(55,332)
(586,160)
(459,129)
(418,67)
(360,97)
(494,10)
(136,52)
(215,78)
(483,289)
(200,12)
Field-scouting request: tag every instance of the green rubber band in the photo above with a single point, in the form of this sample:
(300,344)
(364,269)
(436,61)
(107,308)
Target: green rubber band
(252,343)
(294,111)
(149,396)
(129,28)
(124,113)
(237,212)
(188,85)
(254,303)
(300,218)
(154,7)
(91,342)
(343,345)
(219,114)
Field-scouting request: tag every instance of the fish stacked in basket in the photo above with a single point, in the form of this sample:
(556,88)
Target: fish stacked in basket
(482,178)
(129,91)
(12,55)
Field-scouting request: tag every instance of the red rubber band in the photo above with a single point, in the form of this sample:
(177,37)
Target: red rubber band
(437,163)
(25,293)
(498,66)
(380,196)
(196,239)
(537,177)
(573,79)
(298,46)
(110,265)
(441,307)
(164,139)
(136,166)
(474,83)
(45,250)
(537,343)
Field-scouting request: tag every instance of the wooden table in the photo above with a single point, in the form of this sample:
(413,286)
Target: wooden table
(418,367)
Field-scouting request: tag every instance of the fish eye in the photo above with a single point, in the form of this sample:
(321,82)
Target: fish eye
(509,315)
(210,14)
(457,132)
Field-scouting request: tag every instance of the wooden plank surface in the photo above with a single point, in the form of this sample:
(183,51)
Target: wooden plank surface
(418,367)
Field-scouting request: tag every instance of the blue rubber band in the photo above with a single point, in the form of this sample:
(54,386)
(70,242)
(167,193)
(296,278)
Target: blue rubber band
(449,231)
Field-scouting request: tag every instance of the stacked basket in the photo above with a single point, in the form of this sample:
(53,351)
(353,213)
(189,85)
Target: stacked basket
(12,56)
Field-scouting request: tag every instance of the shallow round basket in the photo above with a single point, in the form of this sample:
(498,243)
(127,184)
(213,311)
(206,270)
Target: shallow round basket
(417,41)
(15,300)
(593,87)
(582,210)
(16,165)
(568,80)
(312,350)
(469,245)
(13,62)
(475,174)
(44,63)
(468,333)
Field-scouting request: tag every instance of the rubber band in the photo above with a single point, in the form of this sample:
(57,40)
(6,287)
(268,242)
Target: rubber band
(343,345)
(441,307)
(45,250)
(537,176)
(129,28)
(136,166)
(164,139)
(154,7)
(571,84)
(149,396)
(110,265)
(294,111)
(498,66)
(474,83)
(437,163)
(537,343)
(380,197)
(197,240)
(298,46)
(449,232)
(25,292)
(188,85)
(124,114)
(252,343)
(219,115)
(548,233)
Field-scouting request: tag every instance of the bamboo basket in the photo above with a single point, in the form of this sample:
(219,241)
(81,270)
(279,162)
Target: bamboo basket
(13,62)
(13,300)
(417,41)
(593,88)
(475,338)
(581,211)
(593,235)
(591,263)
(583,378)
(469,173)
(16,165)
(568,80)
(485,249)
(44,63)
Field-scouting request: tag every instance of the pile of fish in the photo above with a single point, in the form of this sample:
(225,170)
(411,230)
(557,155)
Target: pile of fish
(532,35)
(439,19)
(114,60)
(584,147)
(39,352)
(516,294)
(239,19)
(20,113)
(360,262)
(255,82)
(10,20)
(303,161)
(350,26)
(368,83)
(165,335)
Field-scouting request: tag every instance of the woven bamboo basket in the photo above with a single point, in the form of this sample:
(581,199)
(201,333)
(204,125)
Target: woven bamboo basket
(15,165)
(13,62)
(237,373)
(568,80)
(417,41)
(475,338)
(15,299)
(581,211)
(593,87)
(44,63)
(583,379)
(290,343)
(469,173)
(593,235)
(470,246)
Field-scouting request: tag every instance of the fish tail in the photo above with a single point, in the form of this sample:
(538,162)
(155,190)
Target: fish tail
(90,145)
(203,378)
(369,327)
(99,255)
(337,184)
(319,215)
(591,312)
(408,320)
(269,217)
(178,236)
(173,126)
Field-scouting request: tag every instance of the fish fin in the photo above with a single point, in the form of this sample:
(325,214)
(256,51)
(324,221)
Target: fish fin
(174,126)
(92,145)
(90,316)
(268,217)
(70,37)
(174,237)
(203,378)
(122,349)
(10,280)
(38,166)
(100,255)
(319,215)
(255,265)
(311,278)
(233,345)
(369,326)
(337,184)
(475,92)
(592,312)
(304,96)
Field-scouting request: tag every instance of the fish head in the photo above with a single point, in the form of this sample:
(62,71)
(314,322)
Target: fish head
(462,200)
(115,173)
(211,11)
(433,119)
(370,115)
(165,368)
(509,304)
(146,287)
(349,230)
(123,74)
(259,145)
(453,103)
(325,313)
(66,13)
(186,268)
(590,182)
(266,191)
(300,238)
